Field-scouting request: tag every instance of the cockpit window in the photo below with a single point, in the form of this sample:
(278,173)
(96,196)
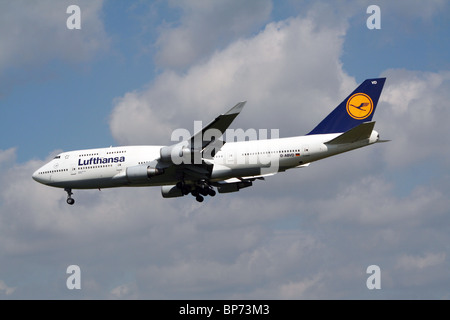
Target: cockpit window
(57,157)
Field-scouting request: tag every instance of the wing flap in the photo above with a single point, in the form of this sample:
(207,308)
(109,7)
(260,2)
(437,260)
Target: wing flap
(248,178)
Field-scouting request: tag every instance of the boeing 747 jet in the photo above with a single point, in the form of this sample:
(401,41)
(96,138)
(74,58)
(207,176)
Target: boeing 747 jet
(203,163)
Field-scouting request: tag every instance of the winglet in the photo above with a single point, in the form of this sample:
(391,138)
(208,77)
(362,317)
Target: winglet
(236,109)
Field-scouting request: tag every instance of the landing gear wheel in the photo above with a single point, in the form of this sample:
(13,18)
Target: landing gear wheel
(70,200)
(199,198)
(203,191)
(185,190)
(211,192)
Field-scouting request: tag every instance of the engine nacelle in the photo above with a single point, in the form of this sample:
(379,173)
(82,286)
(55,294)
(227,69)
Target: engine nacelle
(171,191)
(175,153)
(233,187)
(142,173)
(180,153)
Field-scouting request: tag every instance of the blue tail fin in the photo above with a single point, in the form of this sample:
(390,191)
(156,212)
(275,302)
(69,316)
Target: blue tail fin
(357,108)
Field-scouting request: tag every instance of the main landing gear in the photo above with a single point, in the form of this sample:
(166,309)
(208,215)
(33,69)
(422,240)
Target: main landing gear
(70,200)
(202,189)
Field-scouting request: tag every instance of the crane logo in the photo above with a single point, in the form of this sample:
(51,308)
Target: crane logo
(359,106)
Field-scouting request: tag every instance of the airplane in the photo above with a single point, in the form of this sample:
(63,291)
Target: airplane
(201,163)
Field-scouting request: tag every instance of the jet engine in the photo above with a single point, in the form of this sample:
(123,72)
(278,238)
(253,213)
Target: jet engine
(180,153)
(171,191)
(175,152)
(142,173)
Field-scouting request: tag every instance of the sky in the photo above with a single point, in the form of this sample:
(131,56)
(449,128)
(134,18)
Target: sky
(137,70)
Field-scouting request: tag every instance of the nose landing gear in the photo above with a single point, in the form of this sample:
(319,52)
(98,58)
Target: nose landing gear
(70,200)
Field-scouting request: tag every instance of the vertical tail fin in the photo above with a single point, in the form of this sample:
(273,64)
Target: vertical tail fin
(357,108)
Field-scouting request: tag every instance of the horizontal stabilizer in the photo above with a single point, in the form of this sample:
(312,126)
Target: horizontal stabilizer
(361,132)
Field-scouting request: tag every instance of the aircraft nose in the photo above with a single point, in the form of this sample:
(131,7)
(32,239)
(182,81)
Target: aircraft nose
(36,176)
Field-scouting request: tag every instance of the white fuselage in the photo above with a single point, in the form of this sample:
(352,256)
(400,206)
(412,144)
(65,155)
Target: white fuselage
(106,167)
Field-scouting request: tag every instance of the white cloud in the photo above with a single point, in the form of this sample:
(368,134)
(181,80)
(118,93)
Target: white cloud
(248,272)
(42,24)
(300,289)
(361,201)
(412,10)
(406,262)
(424,270)
(281,72)
(7,156)
(5,290)
(35,34)
(412,113)
(204,26)
(126,291)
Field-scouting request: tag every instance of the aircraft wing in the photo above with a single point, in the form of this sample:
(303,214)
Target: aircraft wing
(216,128)
(208,137)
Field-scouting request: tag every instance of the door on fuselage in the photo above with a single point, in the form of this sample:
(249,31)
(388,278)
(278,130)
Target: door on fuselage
(305,150)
